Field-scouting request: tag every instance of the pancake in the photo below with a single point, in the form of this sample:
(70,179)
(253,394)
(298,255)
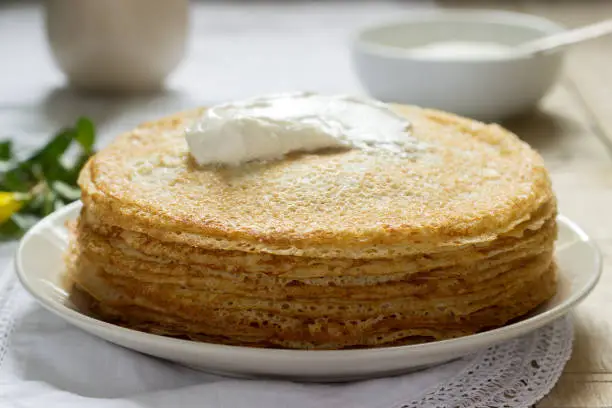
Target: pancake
(125,261)
(473,183)
(339,249)
(269,328)
(139,248)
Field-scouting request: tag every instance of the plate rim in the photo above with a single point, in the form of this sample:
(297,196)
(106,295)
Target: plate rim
(470,341)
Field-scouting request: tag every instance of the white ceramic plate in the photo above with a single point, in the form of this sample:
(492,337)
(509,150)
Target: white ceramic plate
(39,266)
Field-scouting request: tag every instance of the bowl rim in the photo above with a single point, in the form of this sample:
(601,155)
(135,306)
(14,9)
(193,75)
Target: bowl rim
(517,19)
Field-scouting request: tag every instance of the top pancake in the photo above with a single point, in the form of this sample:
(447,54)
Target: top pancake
(471,184)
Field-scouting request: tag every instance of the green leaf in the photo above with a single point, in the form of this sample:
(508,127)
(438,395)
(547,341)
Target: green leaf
(58,204)
(17,178)
(6,150)
(10,230)
(35,204)
(49,157)
(65,191)
(16,226)
(6,166)
(85,134)
(25,221)
(48,177)
(73,173)
(49,202)
(54,149)
(57,171)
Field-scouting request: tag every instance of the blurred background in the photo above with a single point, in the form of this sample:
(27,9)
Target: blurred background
(214,51)
(232,49)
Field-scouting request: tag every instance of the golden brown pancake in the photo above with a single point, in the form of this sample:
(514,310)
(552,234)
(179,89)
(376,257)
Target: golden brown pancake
(474,183)
(334,249)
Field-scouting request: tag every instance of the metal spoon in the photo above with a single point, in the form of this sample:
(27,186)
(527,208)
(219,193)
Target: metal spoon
(566,38)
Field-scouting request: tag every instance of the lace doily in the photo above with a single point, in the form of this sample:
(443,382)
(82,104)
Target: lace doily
(517,373)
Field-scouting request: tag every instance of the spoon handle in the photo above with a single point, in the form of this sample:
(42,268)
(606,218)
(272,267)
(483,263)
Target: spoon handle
(568,38)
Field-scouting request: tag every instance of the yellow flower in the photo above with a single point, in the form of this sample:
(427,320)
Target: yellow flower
(10,203)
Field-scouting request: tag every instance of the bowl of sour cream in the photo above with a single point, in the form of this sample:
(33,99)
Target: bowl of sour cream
(458,61)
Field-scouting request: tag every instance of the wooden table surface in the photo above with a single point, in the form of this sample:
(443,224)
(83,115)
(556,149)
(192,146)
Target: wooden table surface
(572,129)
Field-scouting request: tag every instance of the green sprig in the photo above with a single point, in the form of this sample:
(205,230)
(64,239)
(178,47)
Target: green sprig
(47,179)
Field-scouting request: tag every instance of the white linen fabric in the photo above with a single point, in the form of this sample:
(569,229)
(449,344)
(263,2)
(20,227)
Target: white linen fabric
(45,362)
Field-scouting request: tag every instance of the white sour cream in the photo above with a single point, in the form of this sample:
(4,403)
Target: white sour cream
(462,50)
(269,127)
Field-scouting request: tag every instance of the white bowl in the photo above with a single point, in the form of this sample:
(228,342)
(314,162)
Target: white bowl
(485,88)
(117,46)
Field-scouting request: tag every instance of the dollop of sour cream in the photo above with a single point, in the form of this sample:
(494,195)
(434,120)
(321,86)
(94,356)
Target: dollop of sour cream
(269,127)
(462,50)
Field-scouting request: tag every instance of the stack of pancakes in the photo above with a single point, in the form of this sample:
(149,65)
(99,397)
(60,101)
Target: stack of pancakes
(329,250)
